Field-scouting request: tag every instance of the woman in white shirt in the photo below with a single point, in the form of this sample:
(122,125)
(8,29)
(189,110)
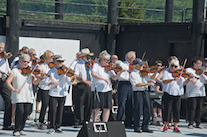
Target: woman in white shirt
(196,92)
(44,89)
(173,89)
(21,96)
(102,85)
(57,94)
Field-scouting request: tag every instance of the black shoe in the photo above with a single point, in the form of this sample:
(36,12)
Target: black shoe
(138,131)
(8,128)
(147,130)
(77,126)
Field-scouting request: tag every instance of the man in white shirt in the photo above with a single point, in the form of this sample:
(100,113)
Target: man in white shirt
(4,91)
(125,93)
(83,88)
(141,97)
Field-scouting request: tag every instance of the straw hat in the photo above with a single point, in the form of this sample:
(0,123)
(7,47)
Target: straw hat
(85,51)
(58,57)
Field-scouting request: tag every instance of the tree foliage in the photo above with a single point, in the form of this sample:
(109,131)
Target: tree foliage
(102,11)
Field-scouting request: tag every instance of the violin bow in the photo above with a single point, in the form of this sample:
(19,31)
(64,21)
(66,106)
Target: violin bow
(183,66)
(143,55)
(66,72)
(147,65)
(29,76)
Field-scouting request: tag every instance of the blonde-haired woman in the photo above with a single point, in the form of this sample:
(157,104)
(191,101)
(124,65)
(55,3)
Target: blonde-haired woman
(102,85)
(44,88)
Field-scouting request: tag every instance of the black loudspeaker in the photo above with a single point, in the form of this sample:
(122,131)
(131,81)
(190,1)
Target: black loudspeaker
(103,129)
(68,116)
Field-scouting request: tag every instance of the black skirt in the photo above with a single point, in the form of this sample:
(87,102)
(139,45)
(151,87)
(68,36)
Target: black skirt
(105,100)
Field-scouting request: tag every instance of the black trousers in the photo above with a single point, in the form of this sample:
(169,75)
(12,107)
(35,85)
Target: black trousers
(6,95)
(22,111)
(44,95)
(56,111)
(194,110)
(83,103)
(142,104)
(125,102)
(171,103)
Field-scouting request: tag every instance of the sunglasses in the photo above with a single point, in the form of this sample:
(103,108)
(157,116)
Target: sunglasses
(159,65)
(174,66)
(60,61)
(25,61)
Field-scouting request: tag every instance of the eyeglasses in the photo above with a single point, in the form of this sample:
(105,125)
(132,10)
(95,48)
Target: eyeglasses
(174,66)
(34,54)
(107,60)
(159,65)
(60,61)
(25,61)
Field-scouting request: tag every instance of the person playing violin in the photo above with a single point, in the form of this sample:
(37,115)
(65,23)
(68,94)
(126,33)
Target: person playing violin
(23,97)
(4,91)
(195,90)
(125,92)
(83,88)
(57,94)
(102,84)
(173,89)
(43,88)
(141,97)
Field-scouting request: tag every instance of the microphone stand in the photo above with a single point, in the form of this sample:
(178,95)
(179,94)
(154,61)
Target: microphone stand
(93,83)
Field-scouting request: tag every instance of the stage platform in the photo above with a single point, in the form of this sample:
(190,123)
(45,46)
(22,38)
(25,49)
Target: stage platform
(68,131)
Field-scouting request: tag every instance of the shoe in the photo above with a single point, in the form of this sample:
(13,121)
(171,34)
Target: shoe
(29,118)
(40,126)
(177,130)
(22,133)
(147,130)
(154,116)
(76,126)
(199,126)
(51,131)
(8,128)
(165,129)
(58,130)
(159,116)
(138,131)
(16,133)
(190,127)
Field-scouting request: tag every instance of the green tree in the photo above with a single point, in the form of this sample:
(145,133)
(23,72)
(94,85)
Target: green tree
(130,13)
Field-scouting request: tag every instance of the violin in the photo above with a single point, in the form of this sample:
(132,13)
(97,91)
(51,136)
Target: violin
(37,61)
(2,54)
(92,62)
(200,71)
(113,67)
(63,69)
(28,70)
(177,73)
(51,65)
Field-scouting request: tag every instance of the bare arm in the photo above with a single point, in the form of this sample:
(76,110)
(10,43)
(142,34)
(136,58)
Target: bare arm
(95,75)
(115,77)
(9,85)
(144,84)
(158,78)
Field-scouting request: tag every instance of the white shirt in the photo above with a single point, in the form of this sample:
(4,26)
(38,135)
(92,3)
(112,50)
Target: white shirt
(173,88)
(124,75)
(15,62)
(26,94)
(4,67)
(62,89)
(80,70)
(45,69)
(135,78)
(197,89)
(72,66)
(101,85)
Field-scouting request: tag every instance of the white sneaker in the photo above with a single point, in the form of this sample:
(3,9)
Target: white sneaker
(22,133)
(16,133)
(51,131)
